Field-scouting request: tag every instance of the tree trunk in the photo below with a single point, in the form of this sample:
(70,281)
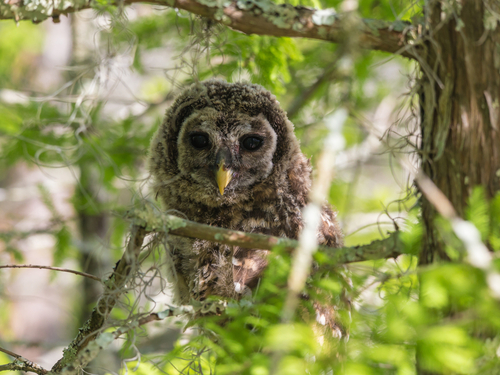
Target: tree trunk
(460,123)
(460,96)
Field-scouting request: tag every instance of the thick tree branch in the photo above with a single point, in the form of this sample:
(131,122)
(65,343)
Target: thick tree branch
(262,17)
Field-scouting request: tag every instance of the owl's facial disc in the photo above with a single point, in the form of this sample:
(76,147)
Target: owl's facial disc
(225,154)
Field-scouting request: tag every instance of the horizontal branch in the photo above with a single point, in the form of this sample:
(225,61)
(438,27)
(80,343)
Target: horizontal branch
(389,247)
(58,269)
(262,17)
(196,308)
(21,364)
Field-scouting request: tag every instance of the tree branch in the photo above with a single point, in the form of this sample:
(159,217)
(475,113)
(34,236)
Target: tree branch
(84,274)
(389,247)
(21,364)
(262,17)
(114,288)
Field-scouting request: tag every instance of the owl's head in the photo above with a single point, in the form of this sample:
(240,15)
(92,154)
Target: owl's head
(223,139)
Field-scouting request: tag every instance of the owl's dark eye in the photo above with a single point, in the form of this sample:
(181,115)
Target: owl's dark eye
(252,143)
(199,140)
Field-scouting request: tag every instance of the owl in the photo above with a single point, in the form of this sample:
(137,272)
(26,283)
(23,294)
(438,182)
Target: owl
(226,155)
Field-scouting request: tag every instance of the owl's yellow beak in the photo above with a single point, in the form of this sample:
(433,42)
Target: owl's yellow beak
(223,177)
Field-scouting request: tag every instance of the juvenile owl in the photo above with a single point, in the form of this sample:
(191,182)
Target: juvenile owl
(226,155)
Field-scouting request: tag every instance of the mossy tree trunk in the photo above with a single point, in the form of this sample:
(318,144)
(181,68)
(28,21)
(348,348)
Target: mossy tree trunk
(460,97)
(460,124)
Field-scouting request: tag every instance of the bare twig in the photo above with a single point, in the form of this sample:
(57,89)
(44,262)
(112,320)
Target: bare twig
(8,352)
(263,17)
(200,308)
(88,275)
(21,235)
(436,196)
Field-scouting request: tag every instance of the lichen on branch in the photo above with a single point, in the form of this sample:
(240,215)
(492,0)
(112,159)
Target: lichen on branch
(262,17)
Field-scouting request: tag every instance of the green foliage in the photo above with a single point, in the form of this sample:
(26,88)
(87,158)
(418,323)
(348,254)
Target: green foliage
(444,313)
(265,59)
(19,46)
(485,215)
(477,212)
(494,238)
(383,9)
(4,359)
(64,247)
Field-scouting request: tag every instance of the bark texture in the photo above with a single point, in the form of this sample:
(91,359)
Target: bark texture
(460,94)
(460,126)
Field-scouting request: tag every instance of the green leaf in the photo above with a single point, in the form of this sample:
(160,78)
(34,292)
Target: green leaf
(63,246)
(478,211)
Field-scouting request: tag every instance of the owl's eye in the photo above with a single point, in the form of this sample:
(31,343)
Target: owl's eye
(199,140)
(252,143)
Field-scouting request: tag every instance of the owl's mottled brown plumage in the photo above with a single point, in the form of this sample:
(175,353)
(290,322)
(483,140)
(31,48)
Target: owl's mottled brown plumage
(267,191)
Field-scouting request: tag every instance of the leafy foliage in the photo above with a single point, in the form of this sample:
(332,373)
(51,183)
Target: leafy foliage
(444,314)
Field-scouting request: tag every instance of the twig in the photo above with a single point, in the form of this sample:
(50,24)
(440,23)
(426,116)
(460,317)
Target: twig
(114,288)
(105,339)
(435,196)
(21,235)
(24,365)
(8,352)
(88,275)
(21,364)
(201,308)
(308,238)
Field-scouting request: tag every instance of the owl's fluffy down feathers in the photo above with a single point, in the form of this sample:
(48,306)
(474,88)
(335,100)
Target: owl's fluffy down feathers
(266,195)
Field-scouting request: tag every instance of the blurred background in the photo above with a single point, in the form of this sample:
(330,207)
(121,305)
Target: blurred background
(79,103)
